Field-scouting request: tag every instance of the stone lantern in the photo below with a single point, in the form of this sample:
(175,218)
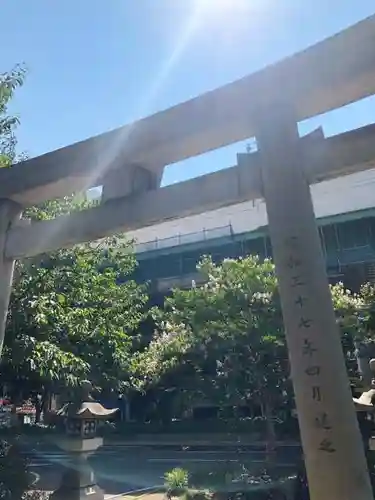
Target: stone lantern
(365,403)
(79,420)
(365,408)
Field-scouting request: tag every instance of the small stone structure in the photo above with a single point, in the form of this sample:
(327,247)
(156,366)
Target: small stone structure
(79,421)
(365,408)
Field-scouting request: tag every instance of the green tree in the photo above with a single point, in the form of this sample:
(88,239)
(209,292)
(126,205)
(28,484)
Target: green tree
(74,314)
(355,314)
(223,341)
(50,209)
(9,82)
(350,310)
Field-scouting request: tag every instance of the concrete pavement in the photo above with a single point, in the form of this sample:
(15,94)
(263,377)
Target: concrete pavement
(192,440)
(124,468)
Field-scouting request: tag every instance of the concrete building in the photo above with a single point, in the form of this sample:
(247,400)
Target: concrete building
(345,210)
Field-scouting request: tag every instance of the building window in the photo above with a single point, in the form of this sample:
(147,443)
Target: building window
(353,234)
(329,239)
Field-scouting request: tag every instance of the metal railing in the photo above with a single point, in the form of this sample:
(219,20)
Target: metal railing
(184,239)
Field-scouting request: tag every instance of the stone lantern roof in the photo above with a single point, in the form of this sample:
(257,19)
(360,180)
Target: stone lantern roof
(365,402)
(85,407)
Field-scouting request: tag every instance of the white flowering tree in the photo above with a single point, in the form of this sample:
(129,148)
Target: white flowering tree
(223,341)
(355,314)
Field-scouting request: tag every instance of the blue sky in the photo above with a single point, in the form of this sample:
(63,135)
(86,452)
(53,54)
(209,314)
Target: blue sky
(98,64)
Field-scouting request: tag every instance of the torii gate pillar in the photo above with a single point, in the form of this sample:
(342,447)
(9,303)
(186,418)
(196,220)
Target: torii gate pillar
(9,213)
(334,455)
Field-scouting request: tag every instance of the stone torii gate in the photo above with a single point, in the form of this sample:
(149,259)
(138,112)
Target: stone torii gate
(268,104)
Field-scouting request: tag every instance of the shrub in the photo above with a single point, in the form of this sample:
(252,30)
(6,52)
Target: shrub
(35,495)
(14,476)
(176,482)
(197,495)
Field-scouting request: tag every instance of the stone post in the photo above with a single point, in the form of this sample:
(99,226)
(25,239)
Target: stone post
(9,213)
(334,455)
(363,362)
(78,481)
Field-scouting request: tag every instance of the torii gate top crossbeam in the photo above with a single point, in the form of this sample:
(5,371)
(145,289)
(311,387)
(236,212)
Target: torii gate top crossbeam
(331,74)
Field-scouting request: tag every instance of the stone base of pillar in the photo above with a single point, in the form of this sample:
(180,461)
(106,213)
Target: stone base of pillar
(93,492)
(78,483)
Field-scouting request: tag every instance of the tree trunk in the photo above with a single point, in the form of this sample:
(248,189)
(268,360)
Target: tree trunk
(38,410)
(41,405)
(271,432)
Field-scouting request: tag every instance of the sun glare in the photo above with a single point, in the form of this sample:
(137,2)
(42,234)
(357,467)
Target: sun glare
(216,8)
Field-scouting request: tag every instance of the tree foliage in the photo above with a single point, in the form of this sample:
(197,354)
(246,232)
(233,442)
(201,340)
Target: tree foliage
(74,314)
(15,478)
(355,313)
(50,209)
(223,341)
(9,82)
